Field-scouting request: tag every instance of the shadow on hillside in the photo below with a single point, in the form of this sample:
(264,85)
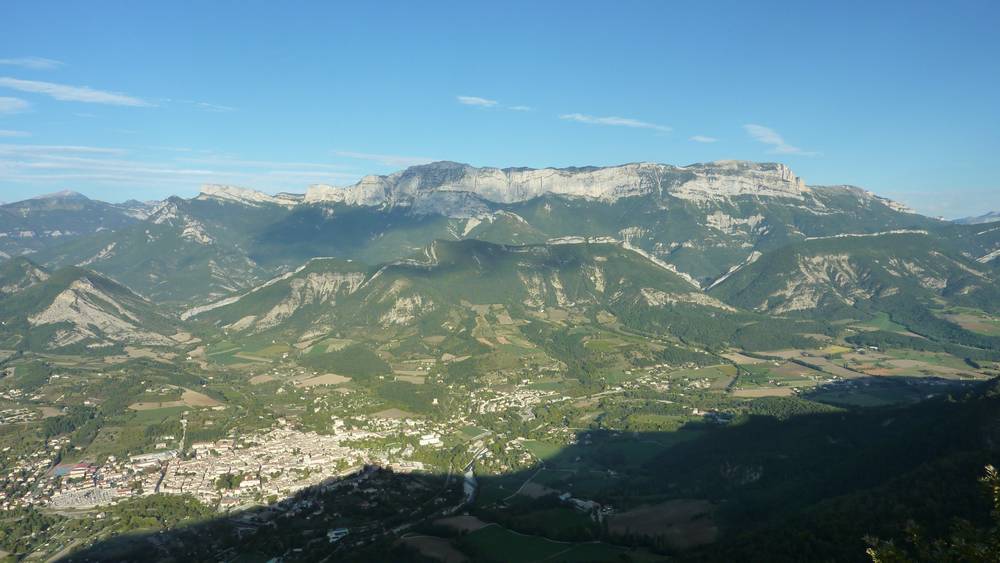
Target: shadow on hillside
(879,391)
(800,487)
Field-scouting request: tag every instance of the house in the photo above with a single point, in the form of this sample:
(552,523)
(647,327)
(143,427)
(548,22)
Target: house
(430,440)
(336,535)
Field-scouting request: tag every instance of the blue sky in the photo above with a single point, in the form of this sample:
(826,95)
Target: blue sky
(126,100)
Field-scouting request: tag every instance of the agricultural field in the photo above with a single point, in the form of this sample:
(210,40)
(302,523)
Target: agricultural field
(683,523)
(717,377)
(972,319)
(325,379)
(188,398)
(438,549)
(486,543)
(913,363)
(781,380)
(881,322)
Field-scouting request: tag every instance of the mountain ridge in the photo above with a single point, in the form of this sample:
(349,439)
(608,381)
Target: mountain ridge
(517,184)
(699,220)
(988,217)
(73,307)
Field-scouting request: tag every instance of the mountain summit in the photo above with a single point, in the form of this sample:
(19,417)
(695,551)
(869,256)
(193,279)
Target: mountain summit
(63,194)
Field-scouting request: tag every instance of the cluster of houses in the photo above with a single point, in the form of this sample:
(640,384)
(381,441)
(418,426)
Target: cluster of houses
(278,462)
(25,482)
(84,484)
(232,472)
(522,398)
(17,416)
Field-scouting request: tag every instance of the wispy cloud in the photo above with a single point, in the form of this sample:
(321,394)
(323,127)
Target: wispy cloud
(771,137)
(89,165)
(217,108)
(615,122)
(250,163)
(477,101)
(13,105)
(204,106)
(55,164)
(488,103)
(703,139)
(35,149)
(67,93)
(386,159)
(34,63)
(172,149)
(13,133)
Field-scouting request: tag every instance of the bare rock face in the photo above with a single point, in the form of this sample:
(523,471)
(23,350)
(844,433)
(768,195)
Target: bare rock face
(190,229)
(700,182)
(313,290)
(720,180)
(28,275)
(85,312)
(462,191)
(244,195)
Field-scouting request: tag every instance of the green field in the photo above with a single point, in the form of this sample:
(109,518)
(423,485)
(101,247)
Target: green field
(542,450)
(933,358)
(788,374)
(881,321)
(557,522)
(471,432)
(972,319)
(718,376)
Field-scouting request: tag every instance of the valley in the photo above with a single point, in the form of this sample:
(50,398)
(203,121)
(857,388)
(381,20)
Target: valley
(644,362)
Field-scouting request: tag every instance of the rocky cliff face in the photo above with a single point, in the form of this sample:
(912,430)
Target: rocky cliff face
(19,274)
(75,306)
(85,312)
(458,190)
(245,196)
(699,182)
(723,179)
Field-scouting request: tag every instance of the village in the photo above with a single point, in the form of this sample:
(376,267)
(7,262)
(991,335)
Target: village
(244,470)
(227,473)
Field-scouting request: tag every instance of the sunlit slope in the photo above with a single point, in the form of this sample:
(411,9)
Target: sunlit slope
(703,219)
(36,224)
(18,274)
(831,274)
(450,276)
(188,250)
(74,309)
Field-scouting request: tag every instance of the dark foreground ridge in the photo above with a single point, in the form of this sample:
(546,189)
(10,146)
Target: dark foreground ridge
(778,485)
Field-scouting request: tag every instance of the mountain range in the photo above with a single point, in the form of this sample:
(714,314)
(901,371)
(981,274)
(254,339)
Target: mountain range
(794,361)
(652,244)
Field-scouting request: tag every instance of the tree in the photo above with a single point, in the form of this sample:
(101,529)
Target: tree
(228,481)
(967,543)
